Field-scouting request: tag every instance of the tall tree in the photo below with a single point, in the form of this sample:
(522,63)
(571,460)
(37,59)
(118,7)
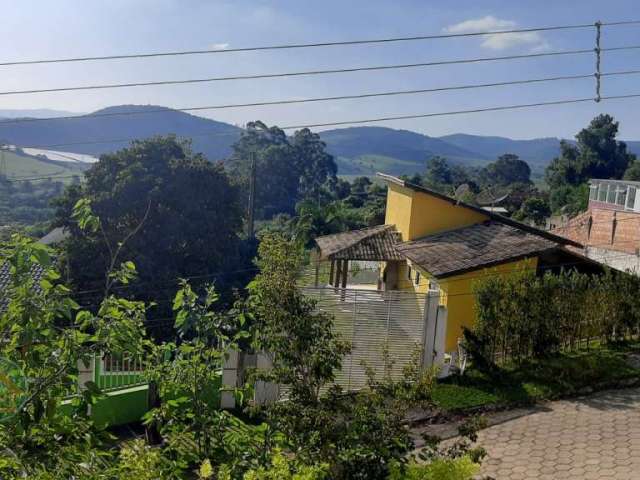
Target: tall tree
(180,212)
(597,154)
(506,170)
(288,169)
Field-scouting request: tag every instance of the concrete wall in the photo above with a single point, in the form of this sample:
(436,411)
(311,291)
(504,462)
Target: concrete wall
(618,260)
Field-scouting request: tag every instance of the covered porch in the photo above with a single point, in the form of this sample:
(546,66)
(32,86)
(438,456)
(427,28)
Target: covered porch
(369,253)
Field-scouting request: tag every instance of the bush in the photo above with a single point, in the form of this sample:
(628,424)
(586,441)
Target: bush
(524,315)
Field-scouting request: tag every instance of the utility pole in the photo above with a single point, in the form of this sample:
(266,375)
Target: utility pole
(252,194)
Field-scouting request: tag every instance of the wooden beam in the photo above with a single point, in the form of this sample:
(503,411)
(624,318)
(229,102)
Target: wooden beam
(338,273)
(345,272)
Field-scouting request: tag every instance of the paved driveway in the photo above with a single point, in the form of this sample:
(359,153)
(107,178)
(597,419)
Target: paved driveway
(596,437)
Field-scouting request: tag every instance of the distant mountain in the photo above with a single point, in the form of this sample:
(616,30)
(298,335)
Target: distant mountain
(358,150)
(35,113)
(537,152)
(112,128)
(362,150)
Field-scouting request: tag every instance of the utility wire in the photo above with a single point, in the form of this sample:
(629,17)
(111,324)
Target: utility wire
(361,121)
(312,72)
(322,99)
(312,45)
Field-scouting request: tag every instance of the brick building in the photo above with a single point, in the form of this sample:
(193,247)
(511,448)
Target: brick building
(610,228)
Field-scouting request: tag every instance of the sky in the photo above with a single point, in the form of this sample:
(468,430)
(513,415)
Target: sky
(40,29)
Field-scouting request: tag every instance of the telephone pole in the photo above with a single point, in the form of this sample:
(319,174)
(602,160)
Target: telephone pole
(252,195)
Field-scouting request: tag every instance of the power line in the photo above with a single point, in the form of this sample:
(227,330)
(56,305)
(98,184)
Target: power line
(312,72)
(310,45)
(361,121)
(460,112)
(321,99)
(315,45)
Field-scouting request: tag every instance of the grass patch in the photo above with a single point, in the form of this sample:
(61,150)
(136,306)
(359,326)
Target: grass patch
(557,376)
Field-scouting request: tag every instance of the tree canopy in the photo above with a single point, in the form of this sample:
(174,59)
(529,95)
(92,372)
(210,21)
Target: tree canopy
(506,170)
(288,169)
(596,154)
(179,213)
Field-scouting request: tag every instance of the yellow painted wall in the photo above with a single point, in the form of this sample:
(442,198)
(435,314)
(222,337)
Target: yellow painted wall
(417,214)
(398,212)
(460,301)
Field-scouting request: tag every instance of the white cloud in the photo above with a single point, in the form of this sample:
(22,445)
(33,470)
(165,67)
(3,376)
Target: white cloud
(218,46)
(503,41)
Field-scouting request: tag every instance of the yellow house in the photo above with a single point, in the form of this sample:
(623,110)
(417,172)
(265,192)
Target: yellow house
(436,245)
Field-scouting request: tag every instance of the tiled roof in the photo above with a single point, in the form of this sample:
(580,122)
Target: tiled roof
(469,248)
(373,243)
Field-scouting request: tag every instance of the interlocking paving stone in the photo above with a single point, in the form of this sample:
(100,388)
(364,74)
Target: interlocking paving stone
(596,437)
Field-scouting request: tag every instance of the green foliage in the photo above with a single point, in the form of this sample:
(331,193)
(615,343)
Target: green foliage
(534,209)
(289,169)
(188,378)
(48,335)
(462,468)
(569,199)
(305,348)
(524,315)
(27,203)
(532,380)
(506,170)
(633,172)
(168,210)
(282,468)
(597,154)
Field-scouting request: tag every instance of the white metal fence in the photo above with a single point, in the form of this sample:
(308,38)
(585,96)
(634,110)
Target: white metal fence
(378,324)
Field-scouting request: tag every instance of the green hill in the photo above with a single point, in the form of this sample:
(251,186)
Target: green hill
(112,128)
(19,165)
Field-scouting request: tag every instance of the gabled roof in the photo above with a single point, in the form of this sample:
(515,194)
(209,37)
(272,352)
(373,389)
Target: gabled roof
(492,215)
(478,246)
(373,243)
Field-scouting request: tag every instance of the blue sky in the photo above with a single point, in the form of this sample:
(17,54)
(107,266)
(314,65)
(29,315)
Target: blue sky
(67,28)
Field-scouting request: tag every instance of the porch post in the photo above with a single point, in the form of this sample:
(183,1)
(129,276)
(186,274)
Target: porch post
(336,283)
(345,272)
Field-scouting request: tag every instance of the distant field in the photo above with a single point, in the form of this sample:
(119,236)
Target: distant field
(370,164)
(24,166)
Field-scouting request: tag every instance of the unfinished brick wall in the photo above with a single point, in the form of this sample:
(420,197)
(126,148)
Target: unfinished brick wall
(605,228)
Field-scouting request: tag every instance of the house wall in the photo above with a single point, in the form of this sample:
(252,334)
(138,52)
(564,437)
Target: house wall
(457,296)
(417,214)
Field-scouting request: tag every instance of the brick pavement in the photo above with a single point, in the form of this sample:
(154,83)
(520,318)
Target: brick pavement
(596,437)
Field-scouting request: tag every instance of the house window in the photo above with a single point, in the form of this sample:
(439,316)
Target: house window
(433,286)
(593,192)
(409,273)
(621,196)
(631,198)
(417,278)
(611,194)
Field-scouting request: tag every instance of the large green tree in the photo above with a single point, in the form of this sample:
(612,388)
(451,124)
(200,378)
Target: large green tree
(178,213)
(288,169)
(596,154)
(506,170)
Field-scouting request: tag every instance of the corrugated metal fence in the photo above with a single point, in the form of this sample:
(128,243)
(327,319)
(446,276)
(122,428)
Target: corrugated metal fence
(377,324)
